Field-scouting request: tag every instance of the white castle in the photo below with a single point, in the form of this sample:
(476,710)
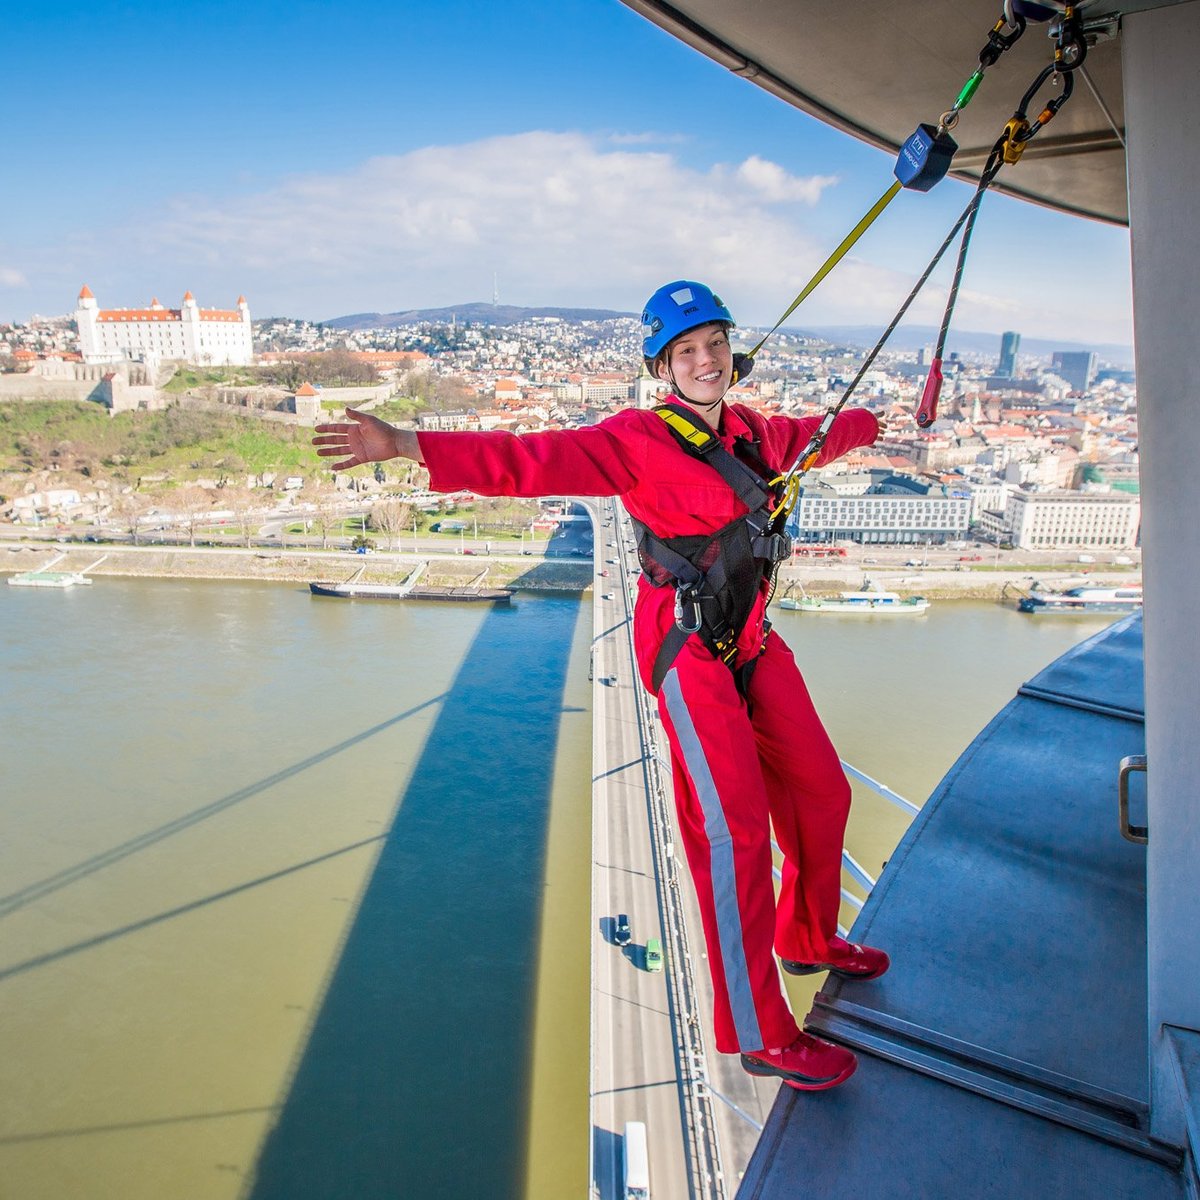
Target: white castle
(204,336)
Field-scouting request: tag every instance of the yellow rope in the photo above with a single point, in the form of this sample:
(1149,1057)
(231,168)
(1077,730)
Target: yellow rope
(835,258)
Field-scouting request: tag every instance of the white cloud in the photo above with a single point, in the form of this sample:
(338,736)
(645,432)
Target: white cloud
(774,184)
(647,139)
(11,277)
(558,218)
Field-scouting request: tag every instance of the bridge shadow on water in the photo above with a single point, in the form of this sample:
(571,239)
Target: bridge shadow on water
(415,1077)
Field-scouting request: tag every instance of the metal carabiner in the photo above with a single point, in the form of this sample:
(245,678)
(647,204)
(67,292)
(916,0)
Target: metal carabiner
(687,626)
(1052,106)
(1070,44)
(998,42)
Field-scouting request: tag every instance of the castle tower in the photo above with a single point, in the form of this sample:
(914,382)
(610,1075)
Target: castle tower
(86,311)
(189,314)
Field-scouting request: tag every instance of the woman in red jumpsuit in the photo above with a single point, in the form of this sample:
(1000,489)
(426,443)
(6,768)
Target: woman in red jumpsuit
(742,763)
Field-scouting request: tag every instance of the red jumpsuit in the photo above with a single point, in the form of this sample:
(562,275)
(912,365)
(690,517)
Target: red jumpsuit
(737,769)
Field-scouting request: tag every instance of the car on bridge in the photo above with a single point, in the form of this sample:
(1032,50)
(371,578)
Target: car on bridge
(654,954)
(622,934)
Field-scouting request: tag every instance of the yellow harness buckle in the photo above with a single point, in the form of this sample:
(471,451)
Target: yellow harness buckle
(688,430)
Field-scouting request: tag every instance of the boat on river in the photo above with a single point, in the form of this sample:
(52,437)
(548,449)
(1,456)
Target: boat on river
(50,579)
(45,578)
(870,599)
(354,589)
(1086,600)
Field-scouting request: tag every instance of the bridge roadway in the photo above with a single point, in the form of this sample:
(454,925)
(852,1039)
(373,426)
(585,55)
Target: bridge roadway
(651,1034)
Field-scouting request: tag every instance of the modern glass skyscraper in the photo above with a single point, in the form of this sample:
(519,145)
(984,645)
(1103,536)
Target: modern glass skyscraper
(1010,343)
(1077,367)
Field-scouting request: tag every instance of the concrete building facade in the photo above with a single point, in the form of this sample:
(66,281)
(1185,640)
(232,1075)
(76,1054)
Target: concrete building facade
(879,519)
(1072,520)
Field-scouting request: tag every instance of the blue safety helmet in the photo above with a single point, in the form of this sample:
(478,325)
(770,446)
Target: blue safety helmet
(674,309)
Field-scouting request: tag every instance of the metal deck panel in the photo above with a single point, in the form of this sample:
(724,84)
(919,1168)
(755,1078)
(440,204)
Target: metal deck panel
(891,1133)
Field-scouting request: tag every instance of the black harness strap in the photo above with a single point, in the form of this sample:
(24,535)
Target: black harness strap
(702,443)
(716,576)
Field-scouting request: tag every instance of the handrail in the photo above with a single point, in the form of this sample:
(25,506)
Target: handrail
(886,792)
(856,871)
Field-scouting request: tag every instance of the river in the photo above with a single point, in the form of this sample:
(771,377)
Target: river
(294,892)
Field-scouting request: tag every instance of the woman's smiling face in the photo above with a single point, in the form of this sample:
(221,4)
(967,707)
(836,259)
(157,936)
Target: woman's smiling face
(700,363)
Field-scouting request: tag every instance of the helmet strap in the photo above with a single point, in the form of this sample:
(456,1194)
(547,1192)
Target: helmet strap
(702,409)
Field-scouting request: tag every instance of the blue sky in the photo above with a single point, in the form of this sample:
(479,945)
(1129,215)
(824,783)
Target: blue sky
(325,159)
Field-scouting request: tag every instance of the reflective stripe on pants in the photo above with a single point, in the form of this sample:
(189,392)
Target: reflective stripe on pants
(735,775)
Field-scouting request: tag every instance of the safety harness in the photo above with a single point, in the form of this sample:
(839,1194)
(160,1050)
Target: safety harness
(717,577)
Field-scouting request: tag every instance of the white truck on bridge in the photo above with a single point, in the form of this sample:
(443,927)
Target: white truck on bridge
(637,1162)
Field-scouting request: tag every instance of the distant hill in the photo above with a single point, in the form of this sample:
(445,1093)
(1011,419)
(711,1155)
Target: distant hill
(478,313)
(913,337)
(907,337)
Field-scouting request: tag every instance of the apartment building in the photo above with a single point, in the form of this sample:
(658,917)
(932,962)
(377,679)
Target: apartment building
(1073,520)
(891,519)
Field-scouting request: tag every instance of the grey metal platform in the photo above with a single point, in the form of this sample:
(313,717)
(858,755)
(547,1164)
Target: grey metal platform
(1004,1053)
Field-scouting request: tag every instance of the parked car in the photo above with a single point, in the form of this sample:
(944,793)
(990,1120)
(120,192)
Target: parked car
(654,955)
(622,934)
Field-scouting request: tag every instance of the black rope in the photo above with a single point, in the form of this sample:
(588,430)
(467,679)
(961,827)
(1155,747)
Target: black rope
(985,179)
(967,215)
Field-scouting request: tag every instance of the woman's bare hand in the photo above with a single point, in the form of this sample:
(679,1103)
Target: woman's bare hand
(365,439)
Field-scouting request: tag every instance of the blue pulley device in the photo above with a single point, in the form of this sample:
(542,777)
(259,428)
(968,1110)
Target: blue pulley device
(924,158)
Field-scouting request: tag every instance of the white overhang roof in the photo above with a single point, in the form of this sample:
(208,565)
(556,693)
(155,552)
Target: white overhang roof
(876,69)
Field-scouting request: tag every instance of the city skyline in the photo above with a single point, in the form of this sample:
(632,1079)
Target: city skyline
(573,153)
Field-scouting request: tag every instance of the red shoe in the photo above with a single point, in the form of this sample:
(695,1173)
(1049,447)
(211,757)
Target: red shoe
(847,959)
(809,1064)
